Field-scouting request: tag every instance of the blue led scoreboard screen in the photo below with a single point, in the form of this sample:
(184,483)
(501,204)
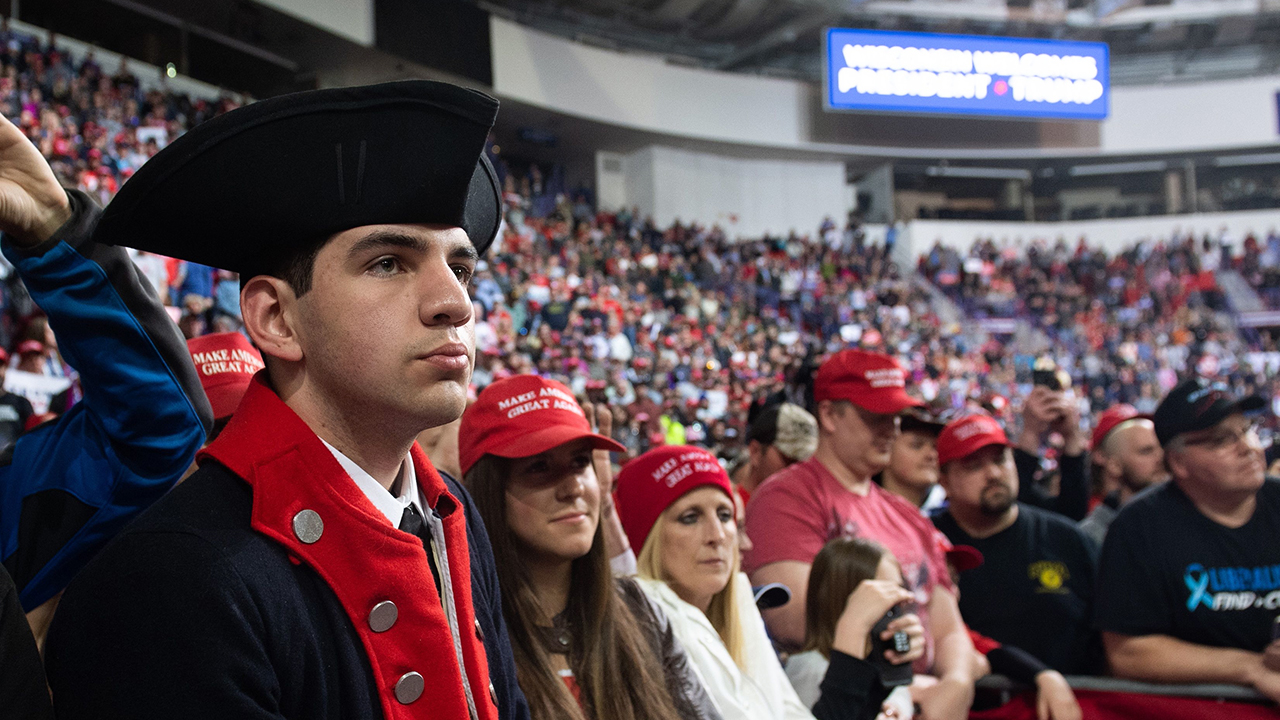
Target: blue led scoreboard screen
(927,73)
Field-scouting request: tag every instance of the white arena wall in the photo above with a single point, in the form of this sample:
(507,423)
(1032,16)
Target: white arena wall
(1111,234)
(748,198)
(352,19)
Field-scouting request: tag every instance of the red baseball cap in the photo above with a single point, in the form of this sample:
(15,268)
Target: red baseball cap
(969,434)
(524,415)
(965,557)
(647,486)
(225,363)
(1108,421)
(870,380)
(30,346)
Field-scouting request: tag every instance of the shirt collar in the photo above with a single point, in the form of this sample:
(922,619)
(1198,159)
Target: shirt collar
(389,505)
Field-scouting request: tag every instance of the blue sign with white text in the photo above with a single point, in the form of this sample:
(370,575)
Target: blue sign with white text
(907,72)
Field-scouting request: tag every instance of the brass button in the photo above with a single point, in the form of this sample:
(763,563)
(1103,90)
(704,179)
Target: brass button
(307,526)
(383,616)
(493,695)
(409,687)
(479,632)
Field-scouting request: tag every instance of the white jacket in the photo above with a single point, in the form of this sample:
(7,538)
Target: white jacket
(762,692)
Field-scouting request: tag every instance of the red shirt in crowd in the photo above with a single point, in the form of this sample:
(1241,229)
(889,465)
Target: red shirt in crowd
(797,510)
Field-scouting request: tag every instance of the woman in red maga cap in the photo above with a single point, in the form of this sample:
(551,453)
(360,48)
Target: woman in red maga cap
(586,645)
(676,505)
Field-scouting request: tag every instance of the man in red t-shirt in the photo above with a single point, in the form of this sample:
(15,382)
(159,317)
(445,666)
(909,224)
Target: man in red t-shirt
(796,511)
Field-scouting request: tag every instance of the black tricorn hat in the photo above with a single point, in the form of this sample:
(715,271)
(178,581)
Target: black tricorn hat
(248,186)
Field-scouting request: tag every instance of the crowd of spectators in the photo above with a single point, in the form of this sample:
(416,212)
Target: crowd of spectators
(684,333)
(681,328)
(1126,326)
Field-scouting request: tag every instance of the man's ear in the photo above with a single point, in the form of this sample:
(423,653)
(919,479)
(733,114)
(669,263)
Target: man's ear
(828,412)
(269,309)
(1174,463)
(944,478)
(1113,465)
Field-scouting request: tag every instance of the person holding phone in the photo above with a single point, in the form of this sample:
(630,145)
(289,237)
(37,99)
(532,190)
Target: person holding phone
(854,587)
(1050,409)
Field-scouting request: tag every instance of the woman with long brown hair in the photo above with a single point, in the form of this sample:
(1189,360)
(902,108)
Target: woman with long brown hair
(587,645)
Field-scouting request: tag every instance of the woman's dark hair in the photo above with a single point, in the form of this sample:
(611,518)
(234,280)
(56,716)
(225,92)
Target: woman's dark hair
(838,568)
(612,661)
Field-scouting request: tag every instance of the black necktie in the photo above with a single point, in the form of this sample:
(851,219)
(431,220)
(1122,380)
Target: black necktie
(413,522)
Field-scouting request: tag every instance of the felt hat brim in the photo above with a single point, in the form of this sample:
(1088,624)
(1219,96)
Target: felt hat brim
(242,189)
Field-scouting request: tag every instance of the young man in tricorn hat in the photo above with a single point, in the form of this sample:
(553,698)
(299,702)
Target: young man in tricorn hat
(316,565)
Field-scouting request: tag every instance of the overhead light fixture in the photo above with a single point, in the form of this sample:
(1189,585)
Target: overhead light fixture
(1119,168)
(978,172)
(1272,158)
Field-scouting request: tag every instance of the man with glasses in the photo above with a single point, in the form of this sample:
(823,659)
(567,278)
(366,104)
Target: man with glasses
(1189,585)
(858,397)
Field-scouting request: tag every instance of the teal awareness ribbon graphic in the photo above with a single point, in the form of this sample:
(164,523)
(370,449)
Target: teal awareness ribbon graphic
(1197,580)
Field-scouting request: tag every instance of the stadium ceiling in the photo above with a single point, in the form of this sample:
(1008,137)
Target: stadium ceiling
(1151,40)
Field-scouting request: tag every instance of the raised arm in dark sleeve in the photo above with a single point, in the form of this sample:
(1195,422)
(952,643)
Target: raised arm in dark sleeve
(1072,499)
(70,486)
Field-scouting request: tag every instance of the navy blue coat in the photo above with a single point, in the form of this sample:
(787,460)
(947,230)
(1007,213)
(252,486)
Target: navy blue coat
(202,608)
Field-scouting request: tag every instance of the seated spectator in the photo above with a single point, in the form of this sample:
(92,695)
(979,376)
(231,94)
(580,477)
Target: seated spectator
(31,357)
(676,505)
(14,409)
(1190,573)
(1052,411)
(859,395)
(853,584)
(586,645)
(1035,589)
(225,364)
(780,436)
(912,472)
(1127,456)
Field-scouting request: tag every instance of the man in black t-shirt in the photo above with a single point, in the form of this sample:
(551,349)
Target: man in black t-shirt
(1035,591)
(1189,584)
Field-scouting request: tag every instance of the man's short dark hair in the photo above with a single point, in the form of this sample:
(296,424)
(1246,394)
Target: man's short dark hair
(764,428)
(295,266)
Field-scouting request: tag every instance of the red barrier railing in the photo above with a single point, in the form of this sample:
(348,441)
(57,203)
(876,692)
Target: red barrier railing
(1113,699)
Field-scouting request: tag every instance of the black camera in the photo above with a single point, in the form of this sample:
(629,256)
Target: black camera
(1047,373)
(891,675)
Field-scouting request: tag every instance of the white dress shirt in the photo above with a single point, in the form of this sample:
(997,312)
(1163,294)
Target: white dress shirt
(388,504)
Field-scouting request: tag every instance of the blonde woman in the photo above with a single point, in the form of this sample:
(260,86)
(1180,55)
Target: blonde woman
(676,504)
